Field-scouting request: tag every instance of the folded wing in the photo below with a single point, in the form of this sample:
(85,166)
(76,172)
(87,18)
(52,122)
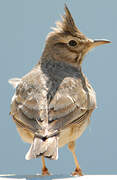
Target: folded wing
(72,104)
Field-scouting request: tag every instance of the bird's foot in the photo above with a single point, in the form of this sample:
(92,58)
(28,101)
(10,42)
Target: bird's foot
(45,172)
(77,172)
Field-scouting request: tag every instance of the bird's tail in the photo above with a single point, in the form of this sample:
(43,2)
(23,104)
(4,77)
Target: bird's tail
(47,148)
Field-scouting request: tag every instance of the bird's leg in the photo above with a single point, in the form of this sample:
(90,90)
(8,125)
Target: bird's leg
(44,168)
(77,171)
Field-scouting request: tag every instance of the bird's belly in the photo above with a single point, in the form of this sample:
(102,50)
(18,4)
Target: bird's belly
(72,133)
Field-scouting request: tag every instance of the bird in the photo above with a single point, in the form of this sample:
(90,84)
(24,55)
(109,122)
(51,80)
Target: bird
(53,103)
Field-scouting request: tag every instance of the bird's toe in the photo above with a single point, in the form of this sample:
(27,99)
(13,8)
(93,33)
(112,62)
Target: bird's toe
(77,172)
(45,172)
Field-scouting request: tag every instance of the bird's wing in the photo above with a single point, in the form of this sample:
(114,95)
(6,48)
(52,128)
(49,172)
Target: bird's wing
(25,102)
(71,104)
(14,82)
(24,111)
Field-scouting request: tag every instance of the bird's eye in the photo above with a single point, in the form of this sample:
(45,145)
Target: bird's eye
(72,43)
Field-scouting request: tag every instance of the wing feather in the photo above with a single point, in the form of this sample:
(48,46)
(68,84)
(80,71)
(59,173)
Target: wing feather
(70,105)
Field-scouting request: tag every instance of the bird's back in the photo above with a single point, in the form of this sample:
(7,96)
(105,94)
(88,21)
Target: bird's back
(51,96)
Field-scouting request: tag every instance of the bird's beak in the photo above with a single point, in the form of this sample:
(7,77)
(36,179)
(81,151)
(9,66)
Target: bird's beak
(99,42)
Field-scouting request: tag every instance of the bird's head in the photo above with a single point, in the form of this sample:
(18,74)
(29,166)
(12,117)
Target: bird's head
(66,43)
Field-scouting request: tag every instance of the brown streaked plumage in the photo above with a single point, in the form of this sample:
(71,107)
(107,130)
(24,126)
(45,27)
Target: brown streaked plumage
(53,103)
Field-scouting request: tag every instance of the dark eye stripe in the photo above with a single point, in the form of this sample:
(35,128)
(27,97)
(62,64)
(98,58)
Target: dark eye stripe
(72,43)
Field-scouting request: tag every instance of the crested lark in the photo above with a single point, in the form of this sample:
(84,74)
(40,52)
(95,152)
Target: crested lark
(53,103)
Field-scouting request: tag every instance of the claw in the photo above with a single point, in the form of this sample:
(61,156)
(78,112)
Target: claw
(45,172)
(77,172)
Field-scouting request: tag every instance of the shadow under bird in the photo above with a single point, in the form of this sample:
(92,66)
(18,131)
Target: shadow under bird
(53,103)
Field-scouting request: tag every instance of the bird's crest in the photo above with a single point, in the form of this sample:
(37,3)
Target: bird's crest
(67,24)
